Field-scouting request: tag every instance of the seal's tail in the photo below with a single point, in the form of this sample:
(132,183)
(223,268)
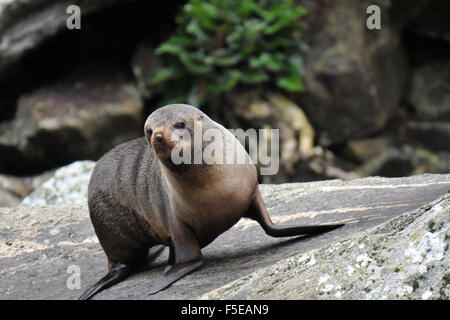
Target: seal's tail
(257,211)
(117,273)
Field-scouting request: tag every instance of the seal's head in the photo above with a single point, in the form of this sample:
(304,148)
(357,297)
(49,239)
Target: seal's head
(164,127)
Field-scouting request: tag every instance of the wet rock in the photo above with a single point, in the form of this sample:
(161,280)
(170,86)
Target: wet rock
(80,117)
(354,77)
(404,258)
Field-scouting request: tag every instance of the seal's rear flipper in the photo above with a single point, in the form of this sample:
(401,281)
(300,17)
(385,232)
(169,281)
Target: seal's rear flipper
(117,273)
(257,211)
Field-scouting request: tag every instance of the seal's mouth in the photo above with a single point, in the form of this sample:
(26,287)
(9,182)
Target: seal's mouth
(161,144)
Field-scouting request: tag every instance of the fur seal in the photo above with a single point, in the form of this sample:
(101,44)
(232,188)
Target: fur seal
(139,198)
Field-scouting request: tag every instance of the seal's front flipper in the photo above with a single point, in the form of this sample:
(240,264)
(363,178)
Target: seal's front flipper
(173,273)
(185,256)
(117,273)
(257,211)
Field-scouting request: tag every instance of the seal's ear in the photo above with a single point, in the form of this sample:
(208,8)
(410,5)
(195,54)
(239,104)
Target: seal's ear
(200,117)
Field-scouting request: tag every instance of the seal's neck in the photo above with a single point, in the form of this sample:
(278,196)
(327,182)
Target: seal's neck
(187,175)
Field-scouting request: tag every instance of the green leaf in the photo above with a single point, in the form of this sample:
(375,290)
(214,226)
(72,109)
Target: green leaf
(181,40)
(254,76)
(296,64)
(291,82)
(272,62)
(193,63)
(226,82)
(168,47)
(205,13)
(223,57)
(163,74)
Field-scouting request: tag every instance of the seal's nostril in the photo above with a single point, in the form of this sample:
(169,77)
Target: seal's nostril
(159,137)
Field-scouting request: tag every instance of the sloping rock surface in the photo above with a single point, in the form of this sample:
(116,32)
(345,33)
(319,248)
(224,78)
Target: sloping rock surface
(404,258)
(41,246)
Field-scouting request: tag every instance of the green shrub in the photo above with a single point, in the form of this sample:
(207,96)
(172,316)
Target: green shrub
(220,44)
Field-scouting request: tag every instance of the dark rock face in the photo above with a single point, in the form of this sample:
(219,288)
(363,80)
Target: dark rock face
(430,99)
(404,161)
(431,19)
(430,91)
(46,102)
(354,76)
(432,134)
(361,85)
(25,24)
(79,118)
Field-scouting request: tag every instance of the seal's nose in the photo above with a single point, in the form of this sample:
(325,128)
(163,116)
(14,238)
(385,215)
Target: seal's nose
(159,137)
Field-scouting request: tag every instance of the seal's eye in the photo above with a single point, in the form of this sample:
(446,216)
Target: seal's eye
(149,133)
(179,125)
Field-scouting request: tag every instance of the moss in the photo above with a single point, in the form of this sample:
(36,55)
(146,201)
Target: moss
(275,281)
(444,284)
(415,285)
(433,226)
(397,269)
(446,279)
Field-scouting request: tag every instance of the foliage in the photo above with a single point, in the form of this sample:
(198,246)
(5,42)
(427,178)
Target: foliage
(221,44)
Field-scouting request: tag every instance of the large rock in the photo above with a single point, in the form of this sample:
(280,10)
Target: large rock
(432,134)
(41,247)
(144,65)
(361,150)
(14,189)
(430,94)
(354,77)
(80,117)
(24,24)
(404,161)
(405,258)
(430,19)
(252,109)
(68,185)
